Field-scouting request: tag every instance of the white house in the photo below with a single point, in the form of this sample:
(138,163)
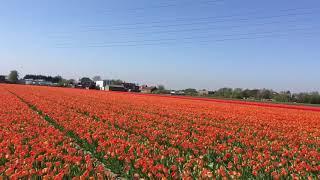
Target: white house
(101,84)
(106,85)
(41,82)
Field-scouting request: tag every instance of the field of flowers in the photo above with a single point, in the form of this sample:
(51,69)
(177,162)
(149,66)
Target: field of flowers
(78,133)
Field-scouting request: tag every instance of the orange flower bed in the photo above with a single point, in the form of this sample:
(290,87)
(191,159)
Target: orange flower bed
(31,148)
(141,136)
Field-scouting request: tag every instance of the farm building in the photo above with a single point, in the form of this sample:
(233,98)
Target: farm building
(131,87)
(115,88)
(203,92)
(41,82)
(177,93)
(147,90)
(101,84)
(108,85)
(3,79)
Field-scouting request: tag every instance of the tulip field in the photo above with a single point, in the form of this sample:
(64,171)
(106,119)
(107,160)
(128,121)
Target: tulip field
(56,133)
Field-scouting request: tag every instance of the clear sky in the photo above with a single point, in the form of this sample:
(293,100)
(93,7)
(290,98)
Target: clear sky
(178,43)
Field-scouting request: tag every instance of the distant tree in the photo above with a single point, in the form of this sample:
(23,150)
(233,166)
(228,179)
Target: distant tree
(309,98)
(87,83)
(96,78)
(161,90)
(191,91)
(85,80)
(28,76)
(13,76)
(117,81)
(57,79)
(316,98)
(265,94)
(71,81)
(161,87)
(254,93)
(237,93)
(283,96)
(224,92)
(260,94)
(245,93)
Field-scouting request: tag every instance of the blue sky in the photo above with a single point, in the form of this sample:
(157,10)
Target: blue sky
(178,43)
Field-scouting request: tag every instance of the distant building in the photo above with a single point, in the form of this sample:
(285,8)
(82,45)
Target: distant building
(40,82)
(115,88)
(3,79)
(108,85)
(211,92)
(147,90)
(203,92)
(131,87)
(177,93)
(85,83)
(101,85)
(28,81)
(21,81)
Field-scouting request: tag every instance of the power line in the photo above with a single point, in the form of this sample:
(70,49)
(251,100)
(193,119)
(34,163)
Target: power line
(158,41)
(197,23)
(205,41)
(208,28)
(197,19)
(174,31)
(205,36)
(184,22)
(209,22)
(165,6)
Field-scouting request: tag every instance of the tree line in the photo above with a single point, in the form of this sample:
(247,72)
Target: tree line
(268,94)
(55,79)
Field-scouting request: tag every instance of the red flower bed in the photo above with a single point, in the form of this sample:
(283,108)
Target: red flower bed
(140,136)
